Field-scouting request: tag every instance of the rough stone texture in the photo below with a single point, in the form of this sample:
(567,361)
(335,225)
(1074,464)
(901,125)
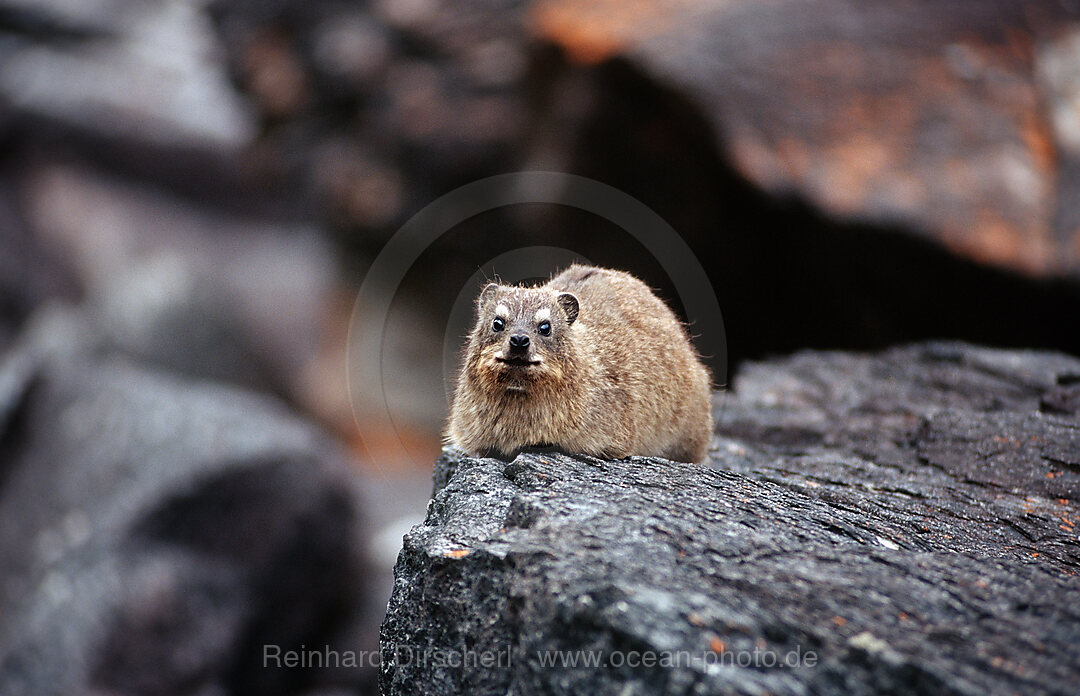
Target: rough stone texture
(908,517)
(156,532)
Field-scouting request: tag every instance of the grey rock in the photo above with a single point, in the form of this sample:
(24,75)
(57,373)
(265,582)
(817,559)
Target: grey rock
(124,69)
(185,287)
(168,314)
(156,533)
(868,524)
(30,273)
(776,80)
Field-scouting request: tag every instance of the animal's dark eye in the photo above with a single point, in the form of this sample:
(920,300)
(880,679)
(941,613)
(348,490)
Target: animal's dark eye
(544,328)
(498,324)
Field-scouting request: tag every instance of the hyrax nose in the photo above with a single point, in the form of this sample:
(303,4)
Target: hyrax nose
(519,342)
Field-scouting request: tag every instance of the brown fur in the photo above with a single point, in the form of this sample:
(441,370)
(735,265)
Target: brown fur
(620,378)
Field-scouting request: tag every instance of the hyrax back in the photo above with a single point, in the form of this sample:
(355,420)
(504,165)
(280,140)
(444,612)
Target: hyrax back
(592,362)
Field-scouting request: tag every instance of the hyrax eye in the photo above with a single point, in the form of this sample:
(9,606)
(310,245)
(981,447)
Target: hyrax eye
(544,328)
(498,324)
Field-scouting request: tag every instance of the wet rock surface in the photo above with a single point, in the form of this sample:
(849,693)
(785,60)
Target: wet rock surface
(907,518)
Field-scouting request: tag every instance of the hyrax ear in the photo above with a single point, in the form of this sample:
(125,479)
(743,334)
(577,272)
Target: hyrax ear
(487,295)
(569,304)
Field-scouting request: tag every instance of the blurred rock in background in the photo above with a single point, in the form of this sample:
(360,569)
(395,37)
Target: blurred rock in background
(948,120)
(157,531)
(198,187)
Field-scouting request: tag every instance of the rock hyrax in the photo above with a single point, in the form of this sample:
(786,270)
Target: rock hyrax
(592,362)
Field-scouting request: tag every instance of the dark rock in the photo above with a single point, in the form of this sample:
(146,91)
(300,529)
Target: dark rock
(137,72)
(374,110)
(156,533)
(896,523)
(186,288)
(954,120)
(30,274)
(139,88)
(1064,397)
(168,314)
(673,114)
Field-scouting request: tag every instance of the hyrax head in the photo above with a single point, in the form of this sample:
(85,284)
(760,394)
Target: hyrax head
(522,335)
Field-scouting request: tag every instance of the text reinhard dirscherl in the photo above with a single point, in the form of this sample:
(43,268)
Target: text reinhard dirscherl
(403,656)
